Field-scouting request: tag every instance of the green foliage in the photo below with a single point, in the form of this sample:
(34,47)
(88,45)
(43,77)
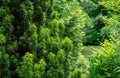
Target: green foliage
(13,46)
(95,12)
(74,20)
(30,38)
(29,69)
(113,24)
(26,68)
(89,6)
(51,58)
(91,37)
(61,56)
(67,44)
(39,69)
(2,39)
(27,9)
(53,44)
(13,65)
(104,62)
(82,63)
(61,25)
(43,38)
(57,65)
(51,62)
(60,63)
(76,73)
(111,4)
(4,64)
(112,18)
(44,33)
(54,14)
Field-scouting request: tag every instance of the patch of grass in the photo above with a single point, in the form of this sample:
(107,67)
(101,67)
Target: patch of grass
(87,51)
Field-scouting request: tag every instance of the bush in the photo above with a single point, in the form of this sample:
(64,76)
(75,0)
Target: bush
(104,63)
(76,73)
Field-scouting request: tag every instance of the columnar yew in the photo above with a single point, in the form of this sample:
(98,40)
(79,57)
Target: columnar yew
(40,38)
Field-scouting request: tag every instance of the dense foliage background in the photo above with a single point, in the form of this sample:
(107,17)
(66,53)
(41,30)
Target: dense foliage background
(46,38)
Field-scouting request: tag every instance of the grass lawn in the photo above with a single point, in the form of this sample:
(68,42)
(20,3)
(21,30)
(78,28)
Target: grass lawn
(88,50)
